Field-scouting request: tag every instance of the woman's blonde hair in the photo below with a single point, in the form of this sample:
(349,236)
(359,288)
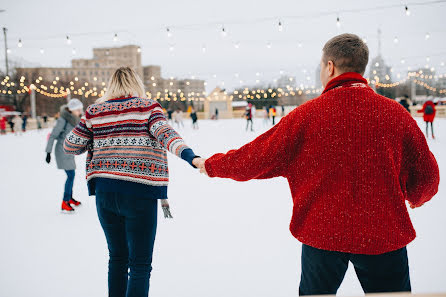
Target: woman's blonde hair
(124,82)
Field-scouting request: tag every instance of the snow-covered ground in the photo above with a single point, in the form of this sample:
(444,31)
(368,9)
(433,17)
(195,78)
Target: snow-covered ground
(226,238)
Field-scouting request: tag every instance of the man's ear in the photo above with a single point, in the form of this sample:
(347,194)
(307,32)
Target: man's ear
(331,69)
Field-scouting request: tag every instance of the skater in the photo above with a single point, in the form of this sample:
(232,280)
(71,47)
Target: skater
(265,117)
(17,124)
(178,118)
(169,115)
(45,120)
(216,113)
(39,123)
(127,175)
(273,112)
(194,117)
(248,116)
(69,117)
(405,103)
(349,176)
(24,122)
(2,125)
(11,124)
(429,112)
(283,111)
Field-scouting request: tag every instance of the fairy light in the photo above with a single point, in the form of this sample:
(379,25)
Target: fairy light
(115,37)
(407,10)
(19,44)
(427,36)
(338,22)
(237,45)
(171,47)
(68,40)
(223,32)
(395,40)
(268,45)
(138,50)
(73,51)
(42,51)
(169,33)
(280,26)
(203,48)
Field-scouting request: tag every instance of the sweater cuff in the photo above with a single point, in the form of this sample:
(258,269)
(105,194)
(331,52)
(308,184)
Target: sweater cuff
(188,155)
(208,167)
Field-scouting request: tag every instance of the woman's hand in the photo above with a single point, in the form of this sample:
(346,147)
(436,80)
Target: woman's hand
(199,163)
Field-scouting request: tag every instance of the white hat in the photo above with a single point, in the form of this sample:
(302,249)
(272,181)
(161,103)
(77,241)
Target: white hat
(75,104)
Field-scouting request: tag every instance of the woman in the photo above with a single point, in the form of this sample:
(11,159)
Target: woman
(69,117)
(127,137)
(429,112)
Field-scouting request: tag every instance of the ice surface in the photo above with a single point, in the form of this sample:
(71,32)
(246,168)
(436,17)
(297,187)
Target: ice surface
(226,238)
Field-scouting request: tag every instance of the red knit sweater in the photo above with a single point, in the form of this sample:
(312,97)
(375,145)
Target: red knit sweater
(352,158)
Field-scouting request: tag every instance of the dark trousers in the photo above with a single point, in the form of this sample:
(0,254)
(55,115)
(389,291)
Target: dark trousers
(323,271)
(68,192)
(248,121)
(129,224)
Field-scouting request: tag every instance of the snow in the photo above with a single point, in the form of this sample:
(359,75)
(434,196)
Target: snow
(226,238)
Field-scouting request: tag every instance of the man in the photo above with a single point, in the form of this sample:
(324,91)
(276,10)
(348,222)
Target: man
(350,171)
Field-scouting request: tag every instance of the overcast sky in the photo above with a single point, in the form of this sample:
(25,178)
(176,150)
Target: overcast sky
(195,24)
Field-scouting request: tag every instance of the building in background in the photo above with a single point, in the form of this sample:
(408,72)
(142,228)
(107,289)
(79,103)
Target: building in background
(87,78)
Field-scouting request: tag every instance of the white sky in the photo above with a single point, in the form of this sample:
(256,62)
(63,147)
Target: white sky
(197,23)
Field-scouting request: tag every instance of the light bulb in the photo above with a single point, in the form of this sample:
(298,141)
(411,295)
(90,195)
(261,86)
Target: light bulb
(171,48)
(427,36)
(268,45)
(42,51)
(203,48)
(169,33)
(138,50)
(280,27)
(223,32)
(20,43)
(8,50)
(68,39)
(403,61)
(407,10)
(338,22)
(395,40)
(115,37)
(73,51)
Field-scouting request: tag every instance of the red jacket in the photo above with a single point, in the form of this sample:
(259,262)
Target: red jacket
(2,123)
(351,157)
(428,117)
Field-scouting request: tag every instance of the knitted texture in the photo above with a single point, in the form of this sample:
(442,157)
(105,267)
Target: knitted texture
(352,158)
(129,138)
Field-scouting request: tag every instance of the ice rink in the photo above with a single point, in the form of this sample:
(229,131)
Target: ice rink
(226,238)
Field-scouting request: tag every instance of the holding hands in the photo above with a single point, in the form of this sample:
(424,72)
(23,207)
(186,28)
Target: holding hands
(199,163)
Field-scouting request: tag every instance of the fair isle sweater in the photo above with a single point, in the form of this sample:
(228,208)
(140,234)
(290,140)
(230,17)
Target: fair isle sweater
(127,139)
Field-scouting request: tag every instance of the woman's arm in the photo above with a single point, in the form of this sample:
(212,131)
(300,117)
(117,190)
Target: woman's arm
(168,137)
(78,140)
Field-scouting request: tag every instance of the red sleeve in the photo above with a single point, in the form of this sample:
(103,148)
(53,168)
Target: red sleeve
(422,171)
(269,155)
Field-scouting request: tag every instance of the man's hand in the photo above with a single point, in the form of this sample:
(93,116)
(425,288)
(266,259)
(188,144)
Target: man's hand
(199,163)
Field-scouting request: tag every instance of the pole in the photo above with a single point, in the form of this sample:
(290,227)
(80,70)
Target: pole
(33,102)
(5,30)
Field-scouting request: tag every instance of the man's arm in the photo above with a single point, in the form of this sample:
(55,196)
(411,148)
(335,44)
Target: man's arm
(422,171)
(268,156)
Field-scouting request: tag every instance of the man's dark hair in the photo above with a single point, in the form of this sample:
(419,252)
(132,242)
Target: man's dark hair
(347,52)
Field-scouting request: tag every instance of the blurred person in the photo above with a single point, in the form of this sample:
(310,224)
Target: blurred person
(178,118)
(18,125)
(429,111)
(194,117)
(24,122)
(2,125)
(127,137)
(69,117)
(350,176)
(248,116)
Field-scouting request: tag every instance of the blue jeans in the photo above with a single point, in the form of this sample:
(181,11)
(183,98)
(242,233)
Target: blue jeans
(323,271)
(68,192)
(129,224)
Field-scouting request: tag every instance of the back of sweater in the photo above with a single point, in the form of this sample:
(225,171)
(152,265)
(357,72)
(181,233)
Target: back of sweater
(352,158)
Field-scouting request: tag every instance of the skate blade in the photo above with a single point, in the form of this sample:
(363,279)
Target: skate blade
(67,212)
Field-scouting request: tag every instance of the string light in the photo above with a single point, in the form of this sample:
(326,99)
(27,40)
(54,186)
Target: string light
(203,48)
(407,10)
(395,40)
(223,32)
(171,47)
(68,40)
(115,37)
(169,33)
(42,51)
(338,22)
(268,45)
(427,36)
(8,50)
(73,51)
(19,44)
(138,50)
(280,26)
